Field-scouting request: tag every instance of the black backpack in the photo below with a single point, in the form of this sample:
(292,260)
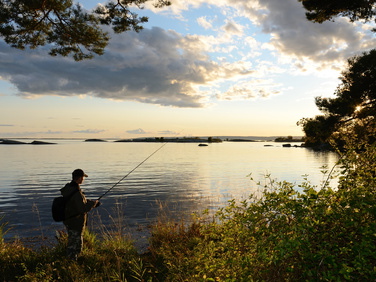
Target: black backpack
(58,207)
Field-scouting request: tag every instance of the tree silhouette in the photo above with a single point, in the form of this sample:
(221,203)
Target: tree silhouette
(68,28)
(320,11)
(353,110)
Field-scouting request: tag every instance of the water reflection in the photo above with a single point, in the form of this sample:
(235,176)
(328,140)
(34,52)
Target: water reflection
(184,176)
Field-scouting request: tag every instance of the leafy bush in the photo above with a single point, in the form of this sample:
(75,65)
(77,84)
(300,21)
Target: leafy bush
(315,234)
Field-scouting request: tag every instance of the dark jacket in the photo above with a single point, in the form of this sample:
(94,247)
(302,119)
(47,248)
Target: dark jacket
(77,207)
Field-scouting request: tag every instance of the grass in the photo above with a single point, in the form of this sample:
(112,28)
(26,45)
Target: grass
(50,263)
(303,233)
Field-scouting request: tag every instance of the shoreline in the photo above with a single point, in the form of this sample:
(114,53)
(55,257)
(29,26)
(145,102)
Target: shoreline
(21,141)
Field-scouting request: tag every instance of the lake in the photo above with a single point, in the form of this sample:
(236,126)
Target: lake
(183,177)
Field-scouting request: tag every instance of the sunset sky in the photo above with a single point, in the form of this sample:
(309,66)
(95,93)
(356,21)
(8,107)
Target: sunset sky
(199,68)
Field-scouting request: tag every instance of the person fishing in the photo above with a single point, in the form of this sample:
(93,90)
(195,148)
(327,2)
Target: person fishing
(78,206)
(76,210)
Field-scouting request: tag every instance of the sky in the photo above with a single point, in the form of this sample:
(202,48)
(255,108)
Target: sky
(198,68)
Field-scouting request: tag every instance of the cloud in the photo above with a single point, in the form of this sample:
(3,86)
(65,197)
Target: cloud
(166,68)
(140,131)
(293,35)
(168,132)
(154,66)
(145,67)
(30,133)
(89,131)
(49,132)
(6,125)
(204,22)
(137,131)
(298,45)
(234,28)
(250,90)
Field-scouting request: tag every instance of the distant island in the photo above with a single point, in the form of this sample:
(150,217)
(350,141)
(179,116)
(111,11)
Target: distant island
(15,142)
(289,139)
(241,140)
(205,140)
(174,140)
(95,140)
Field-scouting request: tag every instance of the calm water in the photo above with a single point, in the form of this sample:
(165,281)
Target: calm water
(184,177)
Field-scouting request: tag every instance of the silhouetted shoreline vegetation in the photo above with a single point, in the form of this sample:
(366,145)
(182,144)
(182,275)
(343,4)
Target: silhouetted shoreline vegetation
(220,139)
(16,142)
(289,139)
(174,140)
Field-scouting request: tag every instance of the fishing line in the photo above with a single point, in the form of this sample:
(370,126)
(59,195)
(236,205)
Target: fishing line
(132,170)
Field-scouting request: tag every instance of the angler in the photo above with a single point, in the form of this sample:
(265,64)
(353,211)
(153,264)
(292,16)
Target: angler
(76,210)
(76,207)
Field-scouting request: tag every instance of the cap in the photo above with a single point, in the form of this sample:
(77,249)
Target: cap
(78,173)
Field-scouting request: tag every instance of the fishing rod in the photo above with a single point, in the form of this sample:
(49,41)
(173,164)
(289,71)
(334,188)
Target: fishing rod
(132,170)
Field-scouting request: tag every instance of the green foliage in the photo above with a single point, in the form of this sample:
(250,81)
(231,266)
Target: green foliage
(291,234)
(67,27)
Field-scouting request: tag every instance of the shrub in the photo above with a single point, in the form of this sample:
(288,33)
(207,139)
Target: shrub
(315,234)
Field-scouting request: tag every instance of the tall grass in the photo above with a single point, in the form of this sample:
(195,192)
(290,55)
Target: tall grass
(2,230)
(107,256)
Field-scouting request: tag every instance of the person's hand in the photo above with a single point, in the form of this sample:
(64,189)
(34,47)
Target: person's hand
(97,204)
